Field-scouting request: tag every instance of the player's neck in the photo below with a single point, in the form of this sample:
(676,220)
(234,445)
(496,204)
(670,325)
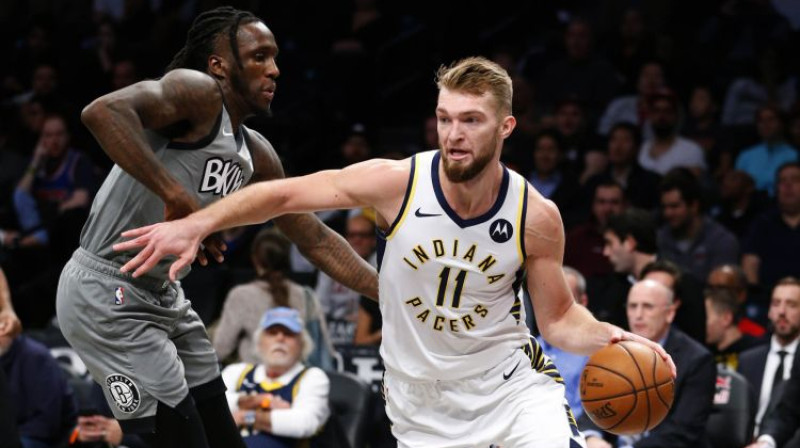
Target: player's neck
(235,105)
(476,196)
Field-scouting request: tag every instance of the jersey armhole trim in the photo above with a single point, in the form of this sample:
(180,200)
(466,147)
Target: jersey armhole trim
(522,209)
(202,143)
(409,196)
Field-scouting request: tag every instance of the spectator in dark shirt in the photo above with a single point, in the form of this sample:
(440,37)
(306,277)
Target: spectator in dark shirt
(584,244)
(39,392)
(639,184)
(702,126)
(741,203)
(550,177)
(689,239)
(581,74)
(630,244)
(771,248)
(723,336)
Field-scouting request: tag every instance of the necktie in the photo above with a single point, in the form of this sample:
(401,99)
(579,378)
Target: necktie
(778,379)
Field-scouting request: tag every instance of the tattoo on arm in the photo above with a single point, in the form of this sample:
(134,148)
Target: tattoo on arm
(330,252)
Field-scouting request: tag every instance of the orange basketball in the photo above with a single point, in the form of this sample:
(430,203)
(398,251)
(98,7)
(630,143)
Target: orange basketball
(626,388)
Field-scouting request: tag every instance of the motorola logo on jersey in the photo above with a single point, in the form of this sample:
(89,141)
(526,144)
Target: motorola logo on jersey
(221,177)
(124,392)
(501,231)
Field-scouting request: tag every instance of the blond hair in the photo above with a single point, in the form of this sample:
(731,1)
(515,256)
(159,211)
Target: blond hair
(477,75)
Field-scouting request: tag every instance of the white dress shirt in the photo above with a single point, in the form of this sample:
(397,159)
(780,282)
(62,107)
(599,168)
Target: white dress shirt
(773,359)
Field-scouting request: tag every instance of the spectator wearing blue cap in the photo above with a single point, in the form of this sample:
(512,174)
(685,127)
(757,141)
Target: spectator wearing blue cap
(281,401)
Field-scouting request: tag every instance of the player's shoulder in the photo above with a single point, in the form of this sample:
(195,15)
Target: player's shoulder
(190,78)
(541,212)
(256,138)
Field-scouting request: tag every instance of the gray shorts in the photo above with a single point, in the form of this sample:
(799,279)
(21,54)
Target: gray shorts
(139,338)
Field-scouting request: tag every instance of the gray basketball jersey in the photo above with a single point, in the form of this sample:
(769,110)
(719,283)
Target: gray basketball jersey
(211,169)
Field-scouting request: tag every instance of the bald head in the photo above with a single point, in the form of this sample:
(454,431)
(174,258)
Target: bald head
(650,309)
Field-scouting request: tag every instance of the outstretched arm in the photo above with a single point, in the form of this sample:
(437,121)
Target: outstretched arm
(374,183)
(316,241)
(563,322)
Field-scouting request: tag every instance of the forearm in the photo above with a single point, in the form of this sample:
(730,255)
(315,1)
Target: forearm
(120,133)
(330,252)
(577,331)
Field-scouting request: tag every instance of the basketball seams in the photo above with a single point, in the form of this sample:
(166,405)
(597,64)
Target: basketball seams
(658,393)
(644,383)
(635,396)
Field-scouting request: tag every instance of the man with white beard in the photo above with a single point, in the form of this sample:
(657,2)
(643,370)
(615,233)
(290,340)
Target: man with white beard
(281,401)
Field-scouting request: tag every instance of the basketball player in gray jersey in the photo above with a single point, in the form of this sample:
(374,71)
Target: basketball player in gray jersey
(179,143)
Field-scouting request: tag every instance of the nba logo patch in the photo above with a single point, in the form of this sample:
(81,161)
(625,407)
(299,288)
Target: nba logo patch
(119,295)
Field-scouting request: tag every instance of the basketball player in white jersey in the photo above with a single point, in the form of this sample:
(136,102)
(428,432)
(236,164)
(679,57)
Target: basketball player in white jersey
(459,231)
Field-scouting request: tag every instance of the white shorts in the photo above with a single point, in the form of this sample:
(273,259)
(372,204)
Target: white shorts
(510,405)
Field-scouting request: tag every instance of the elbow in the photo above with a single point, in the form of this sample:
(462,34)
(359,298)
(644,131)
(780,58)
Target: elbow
(93,113)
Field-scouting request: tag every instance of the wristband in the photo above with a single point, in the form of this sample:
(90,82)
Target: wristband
(250,418)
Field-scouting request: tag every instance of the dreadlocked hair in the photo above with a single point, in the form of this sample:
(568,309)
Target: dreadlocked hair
(202,36)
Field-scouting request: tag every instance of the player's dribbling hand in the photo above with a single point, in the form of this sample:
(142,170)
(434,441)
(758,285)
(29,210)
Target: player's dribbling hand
(157,241)
(621,335)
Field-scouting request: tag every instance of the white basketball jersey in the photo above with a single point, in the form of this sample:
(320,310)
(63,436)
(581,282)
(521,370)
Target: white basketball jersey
(447,285)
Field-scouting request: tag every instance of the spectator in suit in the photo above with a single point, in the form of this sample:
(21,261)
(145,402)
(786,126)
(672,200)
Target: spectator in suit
(723,336)
(767,366)
(651,310)
(584,243)
(279,401)
(689,239)
(690,313)
(771,248)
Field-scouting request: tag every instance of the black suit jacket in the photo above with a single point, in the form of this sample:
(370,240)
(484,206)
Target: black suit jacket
(685,425)
(751,365)
(783,422)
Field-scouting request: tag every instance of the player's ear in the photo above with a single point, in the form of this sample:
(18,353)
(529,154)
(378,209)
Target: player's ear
(217,66)
(508,125)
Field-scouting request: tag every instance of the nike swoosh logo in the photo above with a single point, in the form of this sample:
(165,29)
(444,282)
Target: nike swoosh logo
(506,377)
(419,214)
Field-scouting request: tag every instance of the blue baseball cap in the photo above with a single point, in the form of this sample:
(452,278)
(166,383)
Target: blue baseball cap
(288,317)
